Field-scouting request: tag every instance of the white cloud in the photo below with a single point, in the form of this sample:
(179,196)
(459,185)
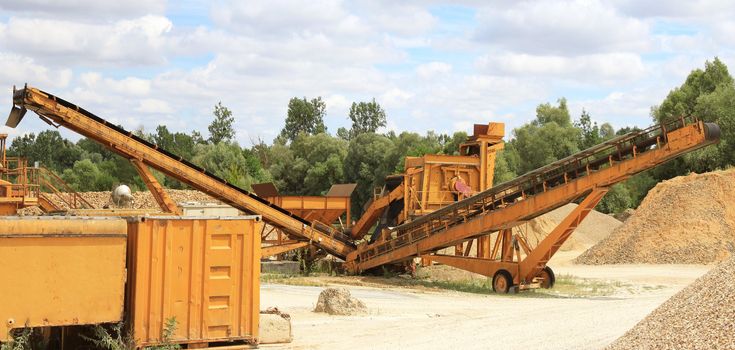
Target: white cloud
(18,70)
(154,106)
(621,108)
(596,68)
(279,17)
(561,28)
(144,70)
(125,42)
(102,9)
(677,8)
(432,69)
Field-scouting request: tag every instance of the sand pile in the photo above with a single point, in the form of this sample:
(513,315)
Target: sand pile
(685,220)
(595,227)
(702,316)
(338,301)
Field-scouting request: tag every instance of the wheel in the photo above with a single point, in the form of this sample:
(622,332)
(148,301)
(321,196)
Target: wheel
(547,278)
(502,282)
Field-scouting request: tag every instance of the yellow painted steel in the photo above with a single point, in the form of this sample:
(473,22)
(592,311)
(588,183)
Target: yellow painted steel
(314,208)
(73,117)
(159,193)
(416,243)
(203,271)
(281,248)
(60,271)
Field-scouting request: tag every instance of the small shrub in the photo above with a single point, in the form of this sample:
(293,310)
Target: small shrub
(20,342)
(112,339)
(168,332)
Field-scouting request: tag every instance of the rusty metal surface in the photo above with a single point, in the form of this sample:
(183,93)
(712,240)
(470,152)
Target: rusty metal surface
(265,190)
(341,190)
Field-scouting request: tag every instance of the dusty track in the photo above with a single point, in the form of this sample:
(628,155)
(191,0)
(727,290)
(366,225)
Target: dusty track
(419,319)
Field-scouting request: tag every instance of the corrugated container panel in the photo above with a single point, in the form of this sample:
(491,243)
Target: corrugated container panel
(60,271)
(202,271)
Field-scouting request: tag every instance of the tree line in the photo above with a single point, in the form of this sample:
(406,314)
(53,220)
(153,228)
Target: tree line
(306,159)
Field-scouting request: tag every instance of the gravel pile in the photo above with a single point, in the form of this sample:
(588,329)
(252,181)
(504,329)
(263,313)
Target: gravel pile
(702,316)
(338,301)
(685,220)
(144,199)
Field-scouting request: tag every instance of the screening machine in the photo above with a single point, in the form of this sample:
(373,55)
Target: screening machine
(487,215)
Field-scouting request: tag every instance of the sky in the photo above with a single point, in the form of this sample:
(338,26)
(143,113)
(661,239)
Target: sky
(432,65)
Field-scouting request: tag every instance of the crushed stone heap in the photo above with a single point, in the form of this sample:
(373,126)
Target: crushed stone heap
(701,316)
(686,220)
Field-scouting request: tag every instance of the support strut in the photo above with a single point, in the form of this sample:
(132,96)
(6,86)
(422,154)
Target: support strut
(159,193)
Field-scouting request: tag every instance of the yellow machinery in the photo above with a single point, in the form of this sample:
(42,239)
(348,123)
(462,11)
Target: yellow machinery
(141,152)
(23,186)
(510,260)
(431,182)
(325,210)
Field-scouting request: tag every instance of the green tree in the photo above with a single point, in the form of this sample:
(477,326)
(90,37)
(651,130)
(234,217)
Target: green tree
(503,171)
(451,147)
(615,201)
(178,143)
(590,132)
(411,144)
(709,95)
(309,165)
(304,116)
(366,165)
(82,176)
(227,161)
(48,148)
(221,130)
(550,137)
(366,117)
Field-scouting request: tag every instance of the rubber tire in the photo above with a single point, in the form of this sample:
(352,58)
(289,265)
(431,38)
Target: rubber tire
(552,277)
(508,282)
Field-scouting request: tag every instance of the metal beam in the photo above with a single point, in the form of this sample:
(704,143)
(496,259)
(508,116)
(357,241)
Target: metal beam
(281,248)
(159,193)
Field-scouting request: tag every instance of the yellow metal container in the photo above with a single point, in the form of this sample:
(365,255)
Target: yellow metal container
(204,272)
(59,271)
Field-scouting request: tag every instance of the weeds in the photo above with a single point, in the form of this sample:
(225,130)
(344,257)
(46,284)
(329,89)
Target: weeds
(293,280)
(19,342)
(112,339)
(166,338)
(117,339)
(388,273)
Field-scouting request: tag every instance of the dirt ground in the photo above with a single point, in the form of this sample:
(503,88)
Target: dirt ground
(420,318)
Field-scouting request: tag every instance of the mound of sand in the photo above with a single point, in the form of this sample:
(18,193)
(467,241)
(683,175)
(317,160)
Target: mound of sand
(702,316)
(685,220)
(338,301)
(595,227)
